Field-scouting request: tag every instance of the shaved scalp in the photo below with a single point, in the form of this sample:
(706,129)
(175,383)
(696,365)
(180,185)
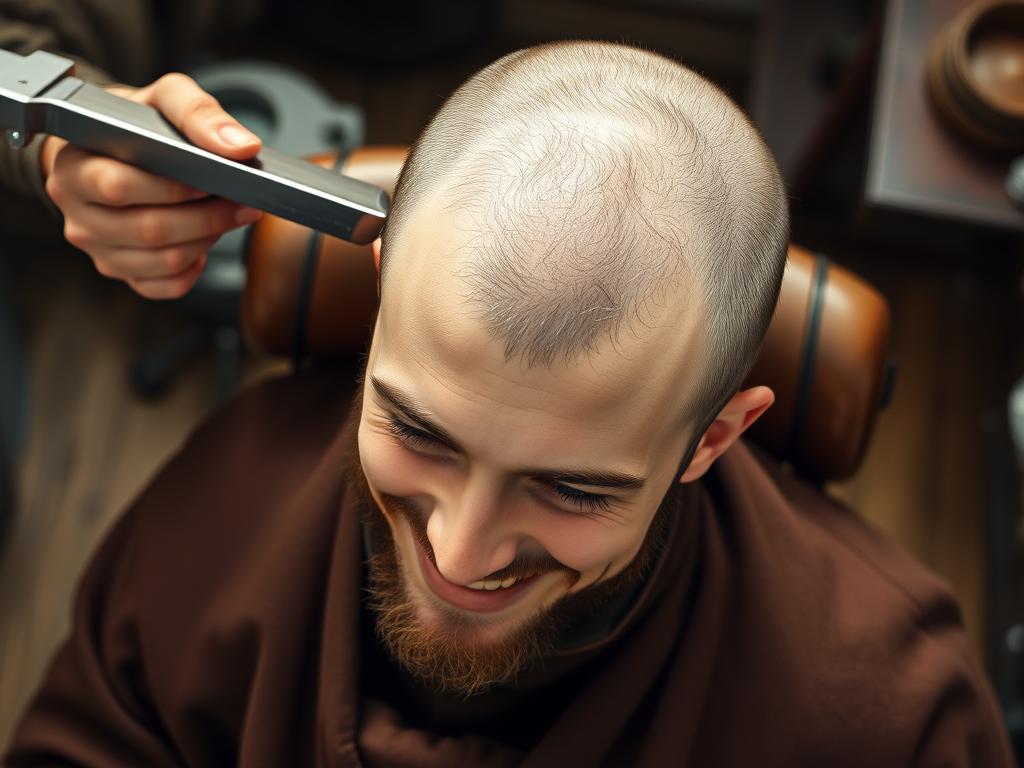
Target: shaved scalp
(600,181)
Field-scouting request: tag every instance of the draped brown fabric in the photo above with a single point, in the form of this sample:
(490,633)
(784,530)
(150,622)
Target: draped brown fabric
(222,622)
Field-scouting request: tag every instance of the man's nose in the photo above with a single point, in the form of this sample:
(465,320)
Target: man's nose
(470,531)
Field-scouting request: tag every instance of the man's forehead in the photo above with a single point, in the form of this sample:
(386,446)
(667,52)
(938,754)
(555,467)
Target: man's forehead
(455,368)
(454,358)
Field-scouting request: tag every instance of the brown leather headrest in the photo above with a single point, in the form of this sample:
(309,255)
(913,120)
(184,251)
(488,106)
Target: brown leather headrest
(824,356)
(312,294)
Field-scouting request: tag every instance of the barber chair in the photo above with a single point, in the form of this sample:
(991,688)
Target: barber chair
(309,295)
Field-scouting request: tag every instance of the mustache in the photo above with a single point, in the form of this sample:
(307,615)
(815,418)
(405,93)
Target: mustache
(522,566)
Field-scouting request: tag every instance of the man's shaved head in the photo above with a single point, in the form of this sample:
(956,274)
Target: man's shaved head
(583,254)
(599,182)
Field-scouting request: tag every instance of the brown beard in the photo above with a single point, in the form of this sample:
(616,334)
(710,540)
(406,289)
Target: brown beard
(451,657)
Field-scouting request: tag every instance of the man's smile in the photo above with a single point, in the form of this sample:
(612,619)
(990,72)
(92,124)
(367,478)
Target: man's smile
(482,597)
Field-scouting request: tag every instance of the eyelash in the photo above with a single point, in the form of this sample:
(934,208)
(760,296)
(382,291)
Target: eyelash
(594,504)
(410,435)
(590,504)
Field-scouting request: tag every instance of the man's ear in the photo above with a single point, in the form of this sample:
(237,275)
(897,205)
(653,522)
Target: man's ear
(745,407)
(376,262)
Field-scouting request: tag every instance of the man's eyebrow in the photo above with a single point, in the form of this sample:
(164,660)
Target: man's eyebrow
(586,477)
(410,410)
(404,405)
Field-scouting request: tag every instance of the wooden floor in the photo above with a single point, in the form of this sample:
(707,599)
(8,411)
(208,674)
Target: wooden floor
(92,443)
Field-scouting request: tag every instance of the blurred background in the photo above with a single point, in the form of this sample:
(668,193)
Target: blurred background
(98,387)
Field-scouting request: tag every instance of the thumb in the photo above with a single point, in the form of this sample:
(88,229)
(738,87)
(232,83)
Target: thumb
(199,116)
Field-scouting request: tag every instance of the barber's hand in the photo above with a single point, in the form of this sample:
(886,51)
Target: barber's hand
(151,232)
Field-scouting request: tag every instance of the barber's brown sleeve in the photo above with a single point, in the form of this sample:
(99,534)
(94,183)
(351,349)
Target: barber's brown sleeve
(92,708)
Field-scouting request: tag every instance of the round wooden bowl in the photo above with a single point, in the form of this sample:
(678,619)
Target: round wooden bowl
(975,74)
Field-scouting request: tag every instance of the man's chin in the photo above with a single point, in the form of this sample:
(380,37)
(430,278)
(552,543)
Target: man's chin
(448,649)
(465,627)
(451,648)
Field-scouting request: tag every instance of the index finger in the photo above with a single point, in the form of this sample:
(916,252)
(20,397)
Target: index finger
(199,116)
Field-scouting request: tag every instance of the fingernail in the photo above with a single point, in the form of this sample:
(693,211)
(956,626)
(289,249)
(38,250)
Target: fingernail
(236,136)
(248,215)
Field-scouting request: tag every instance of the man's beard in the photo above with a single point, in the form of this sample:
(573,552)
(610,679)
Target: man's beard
(451,655)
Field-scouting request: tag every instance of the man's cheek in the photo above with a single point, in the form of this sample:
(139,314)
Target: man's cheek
(389,468)
(592,548)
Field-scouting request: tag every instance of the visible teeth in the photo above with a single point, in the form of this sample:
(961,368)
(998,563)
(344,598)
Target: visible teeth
(489,585)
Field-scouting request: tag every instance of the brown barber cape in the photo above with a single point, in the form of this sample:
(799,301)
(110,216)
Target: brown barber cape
(220,623)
